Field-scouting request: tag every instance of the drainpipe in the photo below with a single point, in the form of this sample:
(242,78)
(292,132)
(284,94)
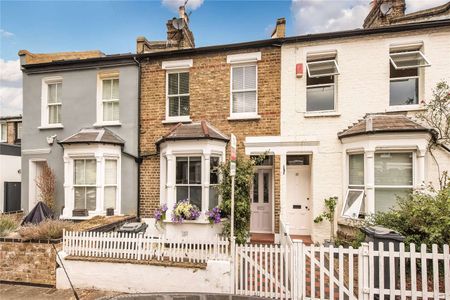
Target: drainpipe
(139,158)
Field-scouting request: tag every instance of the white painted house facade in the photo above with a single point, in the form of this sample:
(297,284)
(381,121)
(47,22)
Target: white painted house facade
(330,83)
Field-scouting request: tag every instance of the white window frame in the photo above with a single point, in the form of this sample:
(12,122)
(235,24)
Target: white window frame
(323,61)
(244,115)
(19,131)
(406,53)
(214,185)
(100,77)
(358,203)
(116,185)
(322,57)
(3,138)
(44,102)
(100,153)
(188,185)
(85,185)
(176,119)
(170,150)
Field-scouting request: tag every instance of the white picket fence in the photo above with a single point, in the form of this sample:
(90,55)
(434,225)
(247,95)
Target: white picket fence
(291,269)
(137,246)
(318,272)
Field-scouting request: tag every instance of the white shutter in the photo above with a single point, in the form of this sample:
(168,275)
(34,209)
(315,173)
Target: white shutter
(250,78)
(244,89)
(238,78)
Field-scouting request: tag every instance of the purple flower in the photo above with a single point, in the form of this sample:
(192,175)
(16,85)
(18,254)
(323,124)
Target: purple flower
(214,215)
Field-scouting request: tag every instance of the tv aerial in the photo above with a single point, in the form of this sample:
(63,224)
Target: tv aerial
(385,8)
(178,23)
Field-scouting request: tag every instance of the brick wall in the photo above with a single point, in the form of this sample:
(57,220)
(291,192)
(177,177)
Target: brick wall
(11,132)
(209,100)
(27,262)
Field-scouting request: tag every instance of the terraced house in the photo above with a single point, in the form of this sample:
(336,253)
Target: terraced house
(191,101)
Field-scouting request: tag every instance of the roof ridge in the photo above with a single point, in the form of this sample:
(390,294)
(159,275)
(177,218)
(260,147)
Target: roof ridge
(205,128)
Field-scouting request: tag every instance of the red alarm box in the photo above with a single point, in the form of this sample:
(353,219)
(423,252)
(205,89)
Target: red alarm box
(299,70)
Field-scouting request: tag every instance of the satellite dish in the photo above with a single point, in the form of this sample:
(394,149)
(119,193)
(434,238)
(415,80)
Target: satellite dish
(178,23)
(385,8)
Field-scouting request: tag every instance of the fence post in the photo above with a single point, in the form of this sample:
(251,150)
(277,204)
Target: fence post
(298,269)
(364,261)
(233,264)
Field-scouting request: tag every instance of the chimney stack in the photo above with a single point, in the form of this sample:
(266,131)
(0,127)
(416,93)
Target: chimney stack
(182,14)
(280,29)
(377,18)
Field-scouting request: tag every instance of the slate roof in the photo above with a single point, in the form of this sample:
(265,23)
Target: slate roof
(382,123)
(193,131)
(94,135)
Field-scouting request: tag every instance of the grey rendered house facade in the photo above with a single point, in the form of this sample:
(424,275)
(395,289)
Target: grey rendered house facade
(79,117)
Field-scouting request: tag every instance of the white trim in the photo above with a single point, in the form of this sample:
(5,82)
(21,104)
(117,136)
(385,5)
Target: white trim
(244,115)
(44,101)
(173,119)
(51,126)
(32,189)
(36,151)
(410,107)
(243,58)
(406,46)
(427,63)
(105,75)
(170,150)
(177,64)
(321,62)
(100,153)
(3,138)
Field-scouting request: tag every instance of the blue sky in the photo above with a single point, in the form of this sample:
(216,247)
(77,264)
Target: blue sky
(112,26)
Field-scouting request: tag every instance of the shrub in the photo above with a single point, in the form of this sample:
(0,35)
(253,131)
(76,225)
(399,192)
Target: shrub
(46,183)
(422,217)
(47,229)
(7,225)
(330,205)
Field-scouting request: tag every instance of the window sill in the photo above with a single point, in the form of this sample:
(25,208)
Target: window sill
(243,118)
(177,120)
(52,126)
(199,222)
(322,114)
(400,108)
(104,124)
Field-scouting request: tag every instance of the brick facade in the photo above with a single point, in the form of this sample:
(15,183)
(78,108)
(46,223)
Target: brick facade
(210,101)
(28,262)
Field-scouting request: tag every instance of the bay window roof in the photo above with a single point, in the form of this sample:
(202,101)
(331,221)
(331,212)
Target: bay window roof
(193,131)
(381,123)
(94,135)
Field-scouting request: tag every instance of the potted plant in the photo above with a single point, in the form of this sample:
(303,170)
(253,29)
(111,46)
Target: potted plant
(330,205)
(160,214)
(214,215)
(184,210)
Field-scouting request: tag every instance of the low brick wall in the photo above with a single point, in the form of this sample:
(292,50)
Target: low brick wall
(28,262)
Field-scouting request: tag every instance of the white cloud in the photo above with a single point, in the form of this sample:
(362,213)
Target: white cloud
(10,88)
(5,34)
(312,16)
(175,4)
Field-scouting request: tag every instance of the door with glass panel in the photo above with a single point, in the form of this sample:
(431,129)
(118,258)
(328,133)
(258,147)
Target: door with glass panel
(261,197)
(298,194)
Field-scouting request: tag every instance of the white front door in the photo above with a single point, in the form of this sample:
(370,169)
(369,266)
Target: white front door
(261,197)
(299,203)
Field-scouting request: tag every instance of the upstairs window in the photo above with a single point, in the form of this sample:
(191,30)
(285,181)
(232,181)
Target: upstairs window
(320,83)
(3,132)
(110,99)
(405,69)
(54,91)
(177,94)
(244,90)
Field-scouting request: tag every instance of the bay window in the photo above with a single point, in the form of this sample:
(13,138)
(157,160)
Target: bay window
(393,178)
(85,183)
(189,180)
